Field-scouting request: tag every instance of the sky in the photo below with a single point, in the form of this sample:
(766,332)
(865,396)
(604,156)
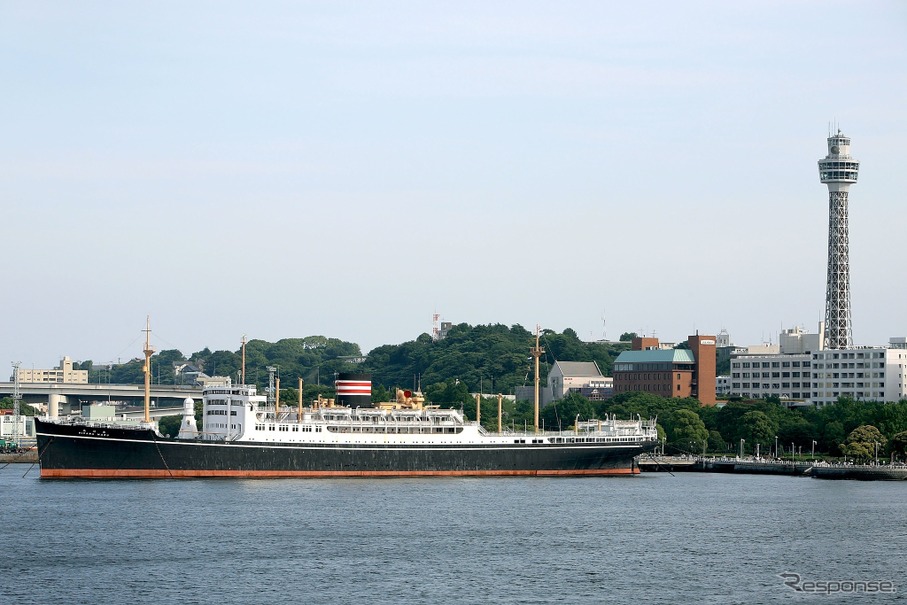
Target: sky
(348,169)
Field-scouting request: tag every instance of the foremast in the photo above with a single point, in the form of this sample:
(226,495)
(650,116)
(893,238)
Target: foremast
(536,353)
(146,369)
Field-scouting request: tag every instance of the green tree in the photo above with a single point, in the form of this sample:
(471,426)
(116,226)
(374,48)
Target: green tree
(793,428)
(757,427)
(899,444)
(451,394)
(169,425)
(380,394)
(833,436)
(522,415)
(8,403)
(864,443)
(628,336)
(686,431)
(561,415)
(717,442)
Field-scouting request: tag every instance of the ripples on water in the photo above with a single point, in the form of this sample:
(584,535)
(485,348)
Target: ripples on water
(690,538)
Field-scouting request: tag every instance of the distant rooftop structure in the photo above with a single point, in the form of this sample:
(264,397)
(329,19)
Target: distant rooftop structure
(439,329)
(578,369)
(657,356)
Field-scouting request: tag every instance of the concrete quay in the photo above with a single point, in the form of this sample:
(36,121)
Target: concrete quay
(819,470)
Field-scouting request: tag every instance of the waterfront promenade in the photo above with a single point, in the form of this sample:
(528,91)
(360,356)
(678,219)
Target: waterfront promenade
(817,469)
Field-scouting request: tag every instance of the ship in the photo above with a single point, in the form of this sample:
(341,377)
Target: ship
(247,434)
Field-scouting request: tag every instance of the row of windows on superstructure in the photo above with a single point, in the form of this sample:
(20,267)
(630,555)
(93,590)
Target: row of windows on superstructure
(376,418)
(219,412)
(238,402)
(409,430)
(624,439)
(295,428)
(398,430)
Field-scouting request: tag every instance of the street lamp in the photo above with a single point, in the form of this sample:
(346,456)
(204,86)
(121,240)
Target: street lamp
(877,452)
(742,441)
(792,451)
(813,454)
(776,446)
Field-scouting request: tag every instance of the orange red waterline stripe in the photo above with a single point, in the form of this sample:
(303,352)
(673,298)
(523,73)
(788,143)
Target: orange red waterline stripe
(128,473)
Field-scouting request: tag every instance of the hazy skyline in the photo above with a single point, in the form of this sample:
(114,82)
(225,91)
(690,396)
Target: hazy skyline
(287,169)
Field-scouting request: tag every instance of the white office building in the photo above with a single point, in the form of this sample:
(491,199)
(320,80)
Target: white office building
(821,376)
(783,370)
(757,376)
(870,373)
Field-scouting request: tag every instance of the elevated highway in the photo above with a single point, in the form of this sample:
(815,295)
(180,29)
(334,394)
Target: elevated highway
(47,392)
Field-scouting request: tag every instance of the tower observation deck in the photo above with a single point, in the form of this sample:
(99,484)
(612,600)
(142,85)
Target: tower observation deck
(838,170)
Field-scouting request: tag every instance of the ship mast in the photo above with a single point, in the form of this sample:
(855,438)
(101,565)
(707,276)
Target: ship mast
(242,374)
(149,350)
(500,399)
(299,413)
(537,352)
(17,410)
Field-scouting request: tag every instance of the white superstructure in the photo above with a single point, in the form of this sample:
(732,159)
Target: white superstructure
(238,413)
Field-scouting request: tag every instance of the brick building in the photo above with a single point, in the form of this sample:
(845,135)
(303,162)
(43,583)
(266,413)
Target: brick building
(681,373)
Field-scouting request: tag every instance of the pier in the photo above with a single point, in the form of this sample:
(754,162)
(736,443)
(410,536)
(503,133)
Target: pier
(819,470)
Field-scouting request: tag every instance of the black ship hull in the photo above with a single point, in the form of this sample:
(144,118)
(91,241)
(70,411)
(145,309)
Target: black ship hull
(79,451)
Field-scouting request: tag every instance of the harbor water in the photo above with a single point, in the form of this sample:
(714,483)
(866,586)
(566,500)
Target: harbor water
(653,538)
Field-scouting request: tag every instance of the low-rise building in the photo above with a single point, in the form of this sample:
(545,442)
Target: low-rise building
(61,374)
(565,377)
(9,430)
(576,377)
